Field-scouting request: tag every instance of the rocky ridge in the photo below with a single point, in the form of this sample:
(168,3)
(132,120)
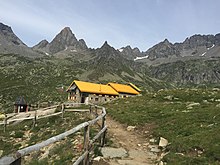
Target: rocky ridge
(64,41)
(161,62)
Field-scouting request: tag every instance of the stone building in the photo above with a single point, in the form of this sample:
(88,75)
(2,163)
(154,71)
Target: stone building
(86,92)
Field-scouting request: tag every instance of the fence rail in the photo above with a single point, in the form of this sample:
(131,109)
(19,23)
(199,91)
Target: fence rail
(15,158)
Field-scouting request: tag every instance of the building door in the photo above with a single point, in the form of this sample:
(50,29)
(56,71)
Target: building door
(83,99)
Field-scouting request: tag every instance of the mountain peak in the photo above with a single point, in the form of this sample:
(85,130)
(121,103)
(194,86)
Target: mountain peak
(66,30)
(63,40)
(166,41)
(4,28)
(8,35)
(106,45)
(42,44)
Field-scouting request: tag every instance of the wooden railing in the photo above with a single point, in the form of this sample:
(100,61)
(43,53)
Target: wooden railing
(15,158)
(32,115)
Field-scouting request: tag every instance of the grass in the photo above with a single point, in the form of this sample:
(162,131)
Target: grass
(23,134)
(188,118)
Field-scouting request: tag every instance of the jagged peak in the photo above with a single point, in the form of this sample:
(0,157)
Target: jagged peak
(4,27)
(128,47)
(82,41)
(44,41)
(41,44)
(106,45)
(166,41)
(67,32)
(66,29)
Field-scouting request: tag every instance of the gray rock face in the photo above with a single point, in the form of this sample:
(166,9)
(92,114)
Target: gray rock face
(130,53)
(7,36)
(10,43)
(162,50)
(41,45)
(63,41)
(196,45)
(198,40)
(201,71)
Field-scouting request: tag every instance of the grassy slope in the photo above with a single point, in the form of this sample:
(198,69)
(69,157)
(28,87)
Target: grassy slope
(23,134)
(190,131)
(39,79)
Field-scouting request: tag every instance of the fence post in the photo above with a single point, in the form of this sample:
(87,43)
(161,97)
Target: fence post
(86,144)
(38,105)
(35,118)
(62,106)
(102,140)
(5,122)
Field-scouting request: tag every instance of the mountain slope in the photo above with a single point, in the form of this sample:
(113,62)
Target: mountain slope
(193,72)
(65,41)
(10,43)
(130,53)
(196,46)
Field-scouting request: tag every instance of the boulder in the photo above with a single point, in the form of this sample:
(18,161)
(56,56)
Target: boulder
(98,158)
(109,152)
(131,128)
(153,140)
(163,142)
(169,98)
(193,104)
(154,148)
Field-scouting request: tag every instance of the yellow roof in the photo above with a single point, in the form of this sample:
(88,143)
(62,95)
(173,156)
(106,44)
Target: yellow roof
(94,88)
(135,87)
(121,88)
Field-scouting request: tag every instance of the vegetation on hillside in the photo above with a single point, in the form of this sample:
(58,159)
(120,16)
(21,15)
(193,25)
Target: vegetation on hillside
(188,118)
(23,134)
(45,79)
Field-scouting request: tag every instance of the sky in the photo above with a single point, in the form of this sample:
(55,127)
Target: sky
(138,23)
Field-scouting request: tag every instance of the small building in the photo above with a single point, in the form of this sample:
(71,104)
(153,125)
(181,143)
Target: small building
(86,92)
(124,90)
(20,105)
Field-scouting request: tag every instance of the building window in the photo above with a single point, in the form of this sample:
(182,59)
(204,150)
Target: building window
(96,99)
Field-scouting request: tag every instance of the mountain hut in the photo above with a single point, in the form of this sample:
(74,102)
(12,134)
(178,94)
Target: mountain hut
(20,105)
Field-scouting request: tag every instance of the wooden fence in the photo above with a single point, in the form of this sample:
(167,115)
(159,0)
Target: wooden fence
(32,115)
(15,158)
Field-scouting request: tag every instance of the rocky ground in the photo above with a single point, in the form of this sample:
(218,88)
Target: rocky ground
(129,147)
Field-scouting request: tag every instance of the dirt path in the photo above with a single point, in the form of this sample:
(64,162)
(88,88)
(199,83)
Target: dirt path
(135,144)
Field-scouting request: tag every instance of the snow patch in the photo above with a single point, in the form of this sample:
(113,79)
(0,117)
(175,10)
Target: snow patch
(203,54)
(120,50)
(73,50)
(139,58)
(47,53)
(211,47)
